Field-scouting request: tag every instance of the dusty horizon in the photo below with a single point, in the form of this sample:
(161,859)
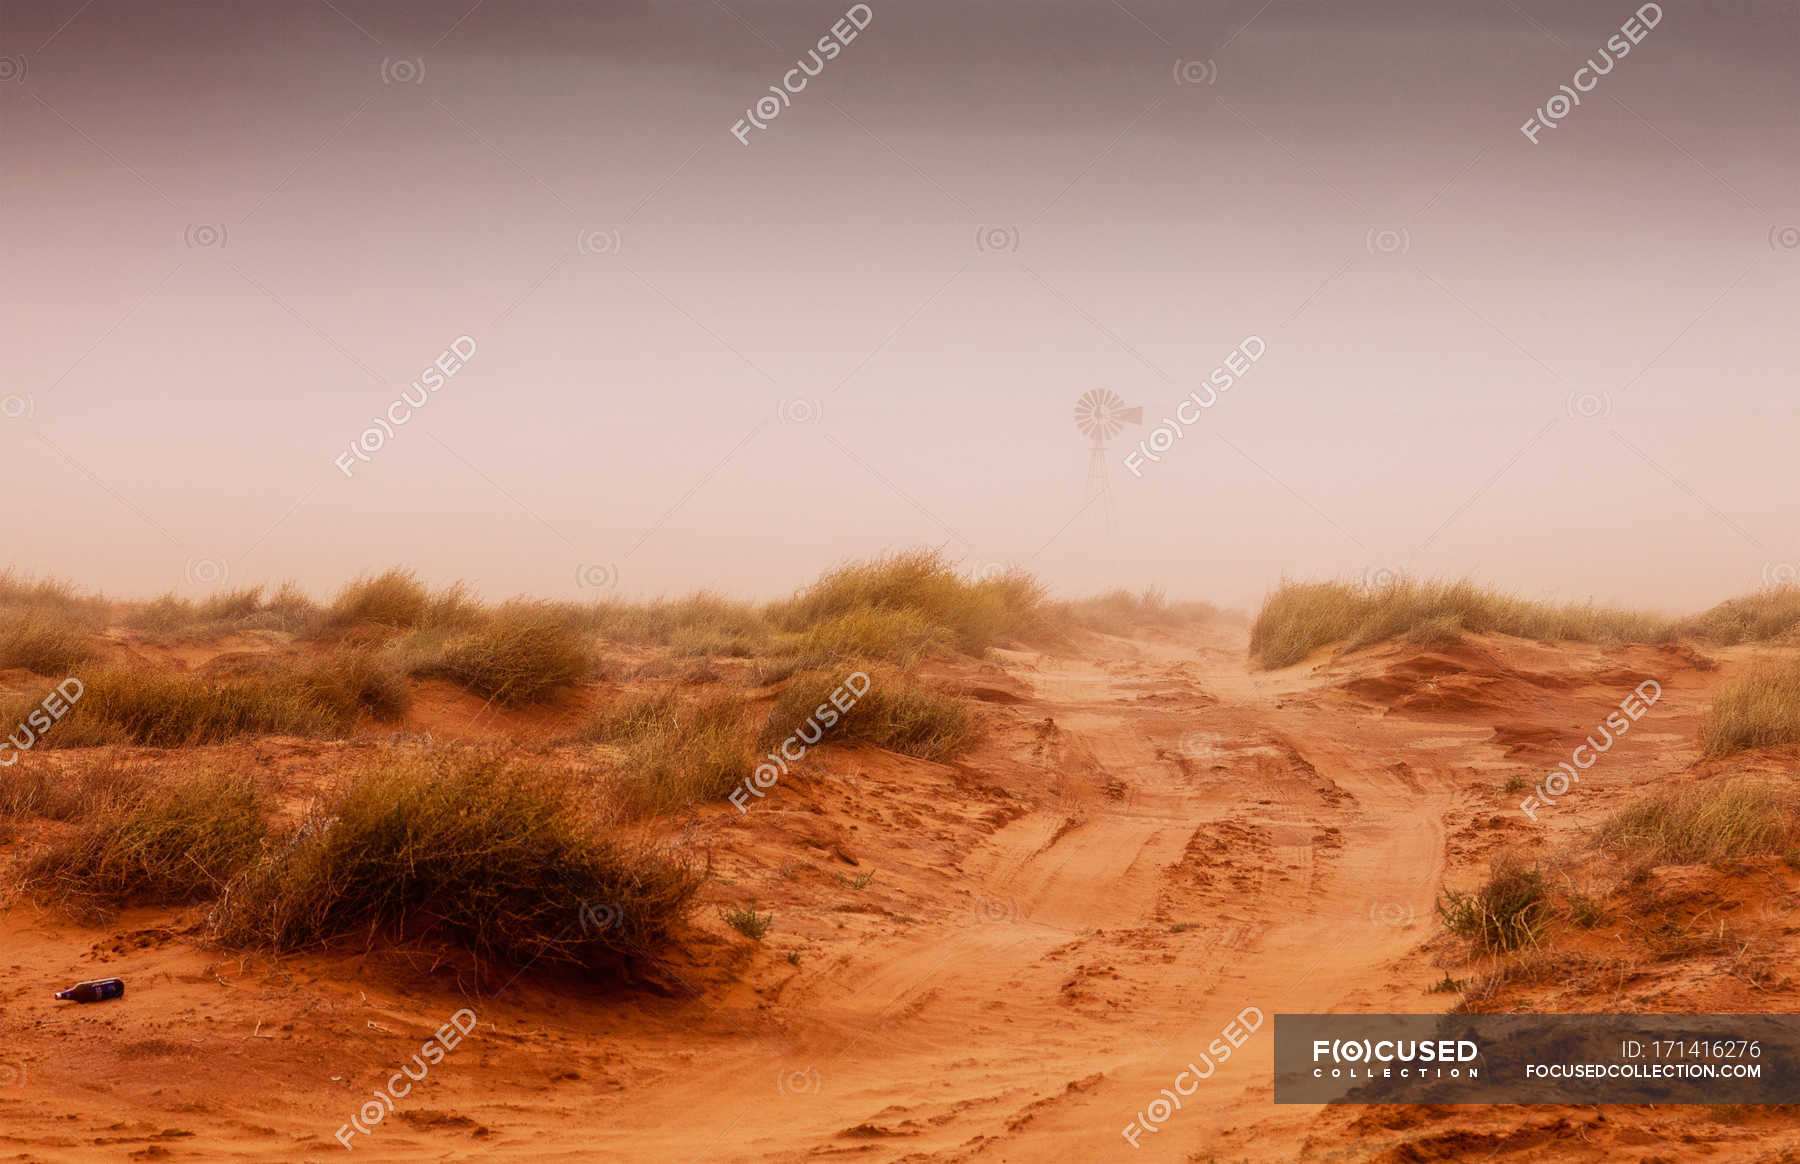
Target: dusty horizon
(704,355)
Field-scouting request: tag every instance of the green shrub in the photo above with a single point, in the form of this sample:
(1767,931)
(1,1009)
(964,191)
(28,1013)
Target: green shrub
(523,654)
(1718,821)
(675,752)
(1508,912)
(893,713)
(463,847)
(164,843)
(1759,710)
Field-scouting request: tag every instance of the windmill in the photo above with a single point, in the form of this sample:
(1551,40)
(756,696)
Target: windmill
(1100,414)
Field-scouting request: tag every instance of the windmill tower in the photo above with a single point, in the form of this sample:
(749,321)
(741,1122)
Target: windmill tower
(1100,414)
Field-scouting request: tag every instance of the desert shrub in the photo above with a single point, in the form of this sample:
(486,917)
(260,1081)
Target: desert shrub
(165,842)
(1759,710)
(675,752)
(65,791)
(228,612)
(43,641)
(894,712)
(459,846)
(361,678)
(1507,912)
(524,653)
(1767,615)
(701,623)
(745,920)
(52,597)
(395,598)
(162,709)
(1297,618)
(1718,821)
(975,614)
(894,636)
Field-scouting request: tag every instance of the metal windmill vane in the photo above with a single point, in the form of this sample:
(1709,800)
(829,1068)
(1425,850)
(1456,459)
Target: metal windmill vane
(1102,414)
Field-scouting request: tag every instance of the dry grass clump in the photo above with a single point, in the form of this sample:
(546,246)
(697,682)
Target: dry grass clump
(52,597)
(974,613)
(396,599)
(703,623)
(1705,823)
(131,705)
(43,641)
(65,791)
(1759,710)
(464,847)
(893,636)
(894,713)
(1509,911)
(1299,617)
(675,752)
(523,653)
(230,612)
(162,842)
(1767,615)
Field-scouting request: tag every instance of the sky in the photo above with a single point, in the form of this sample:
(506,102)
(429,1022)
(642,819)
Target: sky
(689,351)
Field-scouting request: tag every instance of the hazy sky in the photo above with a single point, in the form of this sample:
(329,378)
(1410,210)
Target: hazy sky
(233,238)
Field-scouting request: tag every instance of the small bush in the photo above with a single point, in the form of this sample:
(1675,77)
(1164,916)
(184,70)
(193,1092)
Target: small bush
(1760,710)
(893,636)
(120,705)
(1768,615)
(1718,821)
(228,612)
(1508,912)
(1119,612)
(166,843)
(1300,617)
(523,654)
(65,791)
(894,713)
(43,641)
(460,847)
(974,614)
(745,920)
(393,599)
(676,752)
